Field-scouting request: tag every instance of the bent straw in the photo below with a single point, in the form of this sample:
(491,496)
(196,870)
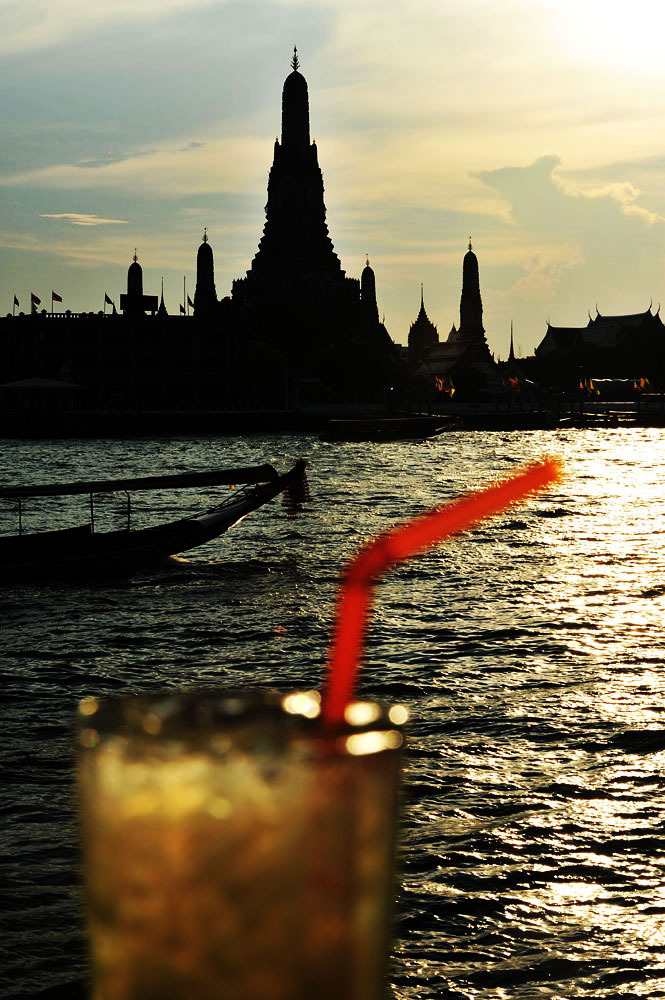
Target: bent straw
(402,542)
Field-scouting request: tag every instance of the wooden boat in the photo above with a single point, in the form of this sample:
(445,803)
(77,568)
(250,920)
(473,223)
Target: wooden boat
(83,551)
(385,428)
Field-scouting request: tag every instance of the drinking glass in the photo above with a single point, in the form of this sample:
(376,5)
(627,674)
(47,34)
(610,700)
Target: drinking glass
(235,848)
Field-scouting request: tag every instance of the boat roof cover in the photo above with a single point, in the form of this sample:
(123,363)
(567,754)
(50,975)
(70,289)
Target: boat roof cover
(216,477)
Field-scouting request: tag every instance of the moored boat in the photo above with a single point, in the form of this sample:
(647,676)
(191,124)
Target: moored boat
(385,428)
(80,550)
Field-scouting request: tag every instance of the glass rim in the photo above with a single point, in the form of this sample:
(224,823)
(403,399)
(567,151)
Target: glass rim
(194,717)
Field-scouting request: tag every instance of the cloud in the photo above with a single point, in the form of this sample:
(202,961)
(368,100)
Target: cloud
(544,270)
(80,219)
(575,244)
(237,163)
(32,25)
(110,158)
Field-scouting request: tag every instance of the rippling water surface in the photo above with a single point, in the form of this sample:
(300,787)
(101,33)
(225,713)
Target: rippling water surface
(530,652)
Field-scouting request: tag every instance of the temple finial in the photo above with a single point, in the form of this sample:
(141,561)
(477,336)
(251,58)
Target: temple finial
(205,234)
(135,257)
(294,61)
(470,244)
(422,296)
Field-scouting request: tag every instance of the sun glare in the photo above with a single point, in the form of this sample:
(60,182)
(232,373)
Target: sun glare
(612,34)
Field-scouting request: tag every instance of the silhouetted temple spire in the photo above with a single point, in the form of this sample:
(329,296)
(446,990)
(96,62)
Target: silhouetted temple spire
(422,334)
(295,298)
(162,308)
(511,353)
(295,237)
(135,277)
(134,301)
(471,305)
(368,293)
(295,109)
(205,296)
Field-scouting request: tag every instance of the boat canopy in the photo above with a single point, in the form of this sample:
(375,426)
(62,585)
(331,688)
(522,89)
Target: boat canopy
(217,477)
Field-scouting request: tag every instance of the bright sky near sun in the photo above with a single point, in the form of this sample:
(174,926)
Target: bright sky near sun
(535,126)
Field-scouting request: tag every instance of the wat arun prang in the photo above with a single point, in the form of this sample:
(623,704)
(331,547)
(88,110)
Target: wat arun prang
(295,303)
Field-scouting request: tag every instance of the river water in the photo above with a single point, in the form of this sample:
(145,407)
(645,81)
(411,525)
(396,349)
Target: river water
(529,651)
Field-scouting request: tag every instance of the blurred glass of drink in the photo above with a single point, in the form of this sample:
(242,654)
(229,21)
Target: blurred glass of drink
(234,848)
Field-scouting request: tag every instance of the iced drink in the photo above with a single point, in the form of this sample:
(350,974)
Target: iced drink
(235,848)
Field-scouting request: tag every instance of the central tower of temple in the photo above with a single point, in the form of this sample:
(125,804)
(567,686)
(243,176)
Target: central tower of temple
(295,300)
(295,238)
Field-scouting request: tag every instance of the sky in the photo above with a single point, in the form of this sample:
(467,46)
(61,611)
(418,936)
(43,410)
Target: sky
(532,126)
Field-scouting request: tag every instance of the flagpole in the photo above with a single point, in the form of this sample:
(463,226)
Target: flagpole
(14,305)
(105,303)
(184,294)
(51,303)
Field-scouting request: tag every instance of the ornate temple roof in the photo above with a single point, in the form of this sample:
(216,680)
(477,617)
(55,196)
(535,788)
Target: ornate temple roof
(423,334)
(601,332)
(630,319)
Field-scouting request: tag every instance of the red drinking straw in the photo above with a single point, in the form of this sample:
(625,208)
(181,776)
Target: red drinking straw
(401,543)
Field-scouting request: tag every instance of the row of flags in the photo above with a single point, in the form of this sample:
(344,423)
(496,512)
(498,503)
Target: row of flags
(639,385)
(444,385)
(55,297)
(36,301)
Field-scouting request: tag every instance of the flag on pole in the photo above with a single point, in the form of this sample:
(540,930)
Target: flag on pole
(16,302)
(34,301)
(115,311)
(189,302)
(182,309)
(55,297)
(107,300)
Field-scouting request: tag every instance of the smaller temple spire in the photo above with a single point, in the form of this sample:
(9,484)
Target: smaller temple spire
(511,353)
(368,292)
(295,61)
(422,334)
(162,308)
(205,295)
(471,305)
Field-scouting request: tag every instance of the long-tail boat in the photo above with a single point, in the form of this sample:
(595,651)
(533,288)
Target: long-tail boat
(81,550)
